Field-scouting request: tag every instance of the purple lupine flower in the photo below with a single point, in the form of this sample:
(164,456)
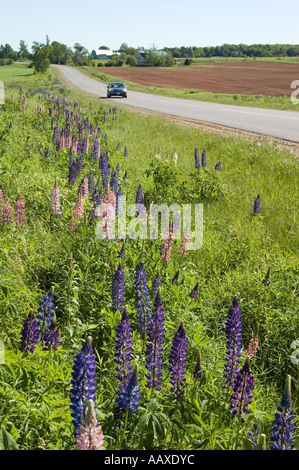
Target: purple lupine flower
(118,285)
(139,195)
(123,355)
(177,361)
(218,166)
(203,159)
(156,284)
(131,396)
(6,213)
(194,292)
(234,342)
(266,279)
(114,182)
(283,425)
(197,369)
(142,297)
(20,212)
(95,149)
(196,158)
(79,165)
(83,383)
(242,391)
(257,205)
(103,164)
(154,350)
(55,134)
(125,152)
(51,336)
(72,173)
(253,436)
(45,313)
(29,336)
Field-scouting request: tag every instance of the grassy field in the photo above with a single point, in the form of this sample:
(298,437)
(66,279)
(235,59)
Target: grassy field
(239,247)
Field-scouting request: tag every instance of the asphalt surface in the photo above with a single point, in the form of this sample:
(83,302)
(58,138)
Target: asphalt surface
(274,123)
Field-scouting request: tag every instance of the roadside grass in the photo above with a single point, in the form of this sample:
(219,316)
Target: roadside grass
(259,101)
(238,249)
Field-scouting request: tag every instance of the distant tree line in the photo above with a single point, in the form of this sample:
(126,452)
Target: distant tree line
(235,50)
(44,54)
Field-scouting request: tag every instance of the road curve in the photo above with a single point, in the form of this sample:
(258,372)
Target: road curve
(274,123)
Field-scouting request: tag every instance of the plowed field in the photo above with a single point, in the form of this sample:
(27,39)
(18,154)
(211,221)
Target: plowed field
(248,78)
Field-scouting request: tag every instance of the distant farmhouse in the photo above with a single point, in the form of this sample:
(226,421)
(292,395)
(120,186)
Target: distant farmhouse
(103,54)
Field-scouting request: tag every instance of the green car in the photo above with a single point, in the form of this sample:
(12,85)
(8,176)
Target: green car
(116,89)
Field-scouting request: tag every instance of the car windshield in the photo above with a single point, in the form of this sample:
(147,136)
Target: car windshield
(116,85)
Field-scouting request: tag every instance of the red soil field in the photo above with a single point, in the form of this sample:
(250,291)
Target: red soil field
(248,78)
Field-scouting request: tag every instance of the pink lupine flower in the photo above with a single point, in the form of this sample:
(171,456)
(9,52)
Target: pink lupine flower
(55,200)
(167,246)
(106,216)
(253,346)
(77,213)
(184,246)
(23,108)
(20,212)
(6,213)
(90,435)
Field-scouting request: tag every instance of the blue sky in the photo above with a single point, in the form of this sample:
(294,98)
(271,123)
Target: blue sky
(156,23)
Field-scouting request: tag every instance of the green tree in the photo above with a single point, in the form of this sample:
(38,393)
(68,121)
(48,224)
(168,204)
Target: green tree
(41,59)
(23,51)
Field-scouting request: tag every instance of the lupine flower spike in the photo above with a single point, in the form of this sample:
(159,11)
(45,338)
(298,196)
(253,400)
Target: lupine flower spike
(242,387)
(20,212)
(118,285)
(51,336)
(257,205)
(55,200)
(29,336)
(234,342)
(83,383)
(283,425)
(90,436)
(45,314)
(177,362)
(131,396)
(123,355)
(154,351)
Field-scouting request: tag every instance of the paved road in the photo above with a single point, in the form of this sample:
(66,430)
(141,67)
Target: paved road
(280,124)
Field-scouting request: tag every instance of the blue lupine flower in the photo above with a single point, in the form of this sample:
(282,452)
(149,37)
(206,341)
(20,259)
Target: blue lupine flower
(242,387)
(51,336)
(196,157)
(154,350)
(45,313)
(118,285)
(203,159)
(83,382)
(234,342)
(257,205)
(104,167)
(142,297)
(29,335)
(123,355)
(283,425)
(122,252)
(218,166)
(131,396)
(177,361)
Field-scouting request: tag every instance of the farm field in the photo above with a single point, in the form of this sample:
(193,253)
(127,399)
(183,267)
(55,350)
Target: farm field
(248,83)
(141,343)
(249,78)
